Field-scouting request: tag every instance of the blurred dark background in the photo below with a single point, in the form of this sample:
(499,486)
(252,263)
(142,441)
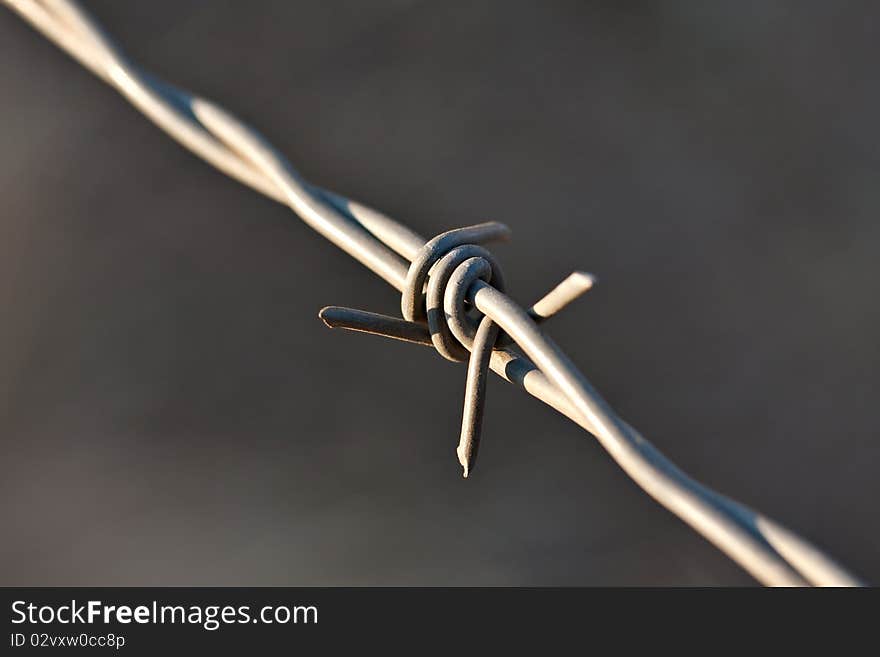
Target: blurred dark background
(173,412)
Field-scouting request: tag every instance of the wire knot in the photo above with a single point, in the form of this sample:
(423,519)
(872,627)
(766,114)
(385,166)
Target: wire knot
(450,263)
(436,312)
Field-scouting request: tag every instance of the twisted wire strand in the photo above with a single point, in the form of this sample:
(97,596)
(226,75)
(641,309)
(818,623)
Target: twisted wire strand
(524,355)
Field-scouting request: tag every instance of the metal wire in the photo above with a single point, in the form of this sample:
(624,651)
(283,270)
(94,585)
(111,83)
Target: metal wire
(463,312)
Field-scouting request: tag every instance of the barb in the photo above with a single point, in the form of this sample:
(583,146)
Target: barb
(463,281)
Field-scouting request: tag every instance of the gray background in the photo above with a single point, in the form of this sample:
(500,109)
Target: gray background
(173,412)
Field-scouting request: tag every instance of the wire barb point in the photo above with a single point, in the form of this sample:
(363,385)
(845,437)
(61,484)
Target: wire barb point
(462,459)
(364,321)
(575,285)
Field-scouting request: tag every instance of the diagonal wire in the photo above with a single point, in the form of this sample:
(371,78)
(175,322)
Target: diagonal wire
(522,355)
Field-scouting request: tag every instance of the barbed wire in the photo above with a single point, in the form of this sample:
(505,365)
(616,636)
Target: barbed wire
(452,299)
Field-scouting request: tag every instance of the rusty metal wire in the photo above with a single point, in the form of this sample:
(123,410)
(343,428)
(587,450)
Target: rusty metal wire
(452,299)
